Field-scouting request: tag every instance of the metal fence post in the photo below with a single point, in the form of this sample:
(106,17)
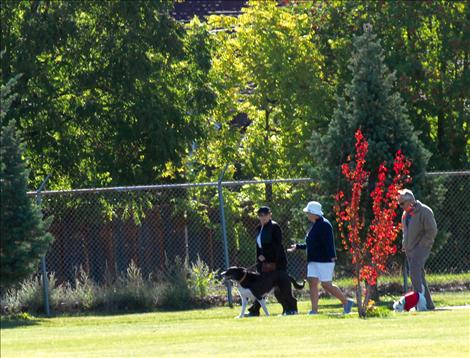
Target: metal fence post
(186,237)
(45,281)
(224,233)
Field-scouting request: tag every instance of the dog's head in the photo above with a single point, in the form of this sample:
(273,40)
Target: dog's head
(234,273)
(399,306)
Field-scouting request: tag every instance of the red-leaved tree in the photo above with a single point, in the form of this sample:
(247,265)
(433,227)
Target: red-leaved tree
(370,244)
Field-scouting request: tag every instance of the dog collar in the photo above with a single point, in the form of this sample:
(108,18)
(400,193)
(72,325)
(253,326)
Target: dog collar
(244,276)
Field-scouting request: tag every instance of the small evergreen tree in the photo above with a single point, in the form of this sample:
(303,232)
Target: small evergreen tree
(24,236)
(369,104)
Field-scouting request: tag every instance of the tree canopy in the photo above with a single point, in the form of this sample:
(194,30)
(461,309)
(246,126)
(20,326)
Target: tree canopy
(119,93)
(370,103)
(24,236)
(426,44)
(111,92)
(267,75)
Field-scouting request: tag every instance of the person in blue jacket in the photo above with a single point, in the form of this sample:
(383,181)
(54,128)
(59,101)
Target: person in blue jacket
(321,257)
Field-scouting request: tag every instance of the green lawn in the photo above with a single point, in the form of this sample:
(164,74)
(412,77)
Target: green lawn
(432,280)
(215,333)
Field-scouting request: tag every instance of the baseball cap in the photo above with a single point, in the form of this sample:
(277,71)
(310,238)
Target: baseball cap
(263,210)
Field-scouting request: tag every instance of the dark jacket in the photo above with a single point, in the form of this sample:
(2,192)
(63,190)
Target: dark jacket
(320,244)
(271,245)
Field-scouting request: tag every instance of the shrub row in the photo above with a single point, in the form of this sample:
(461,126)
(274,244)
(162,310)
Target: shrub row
(179,286)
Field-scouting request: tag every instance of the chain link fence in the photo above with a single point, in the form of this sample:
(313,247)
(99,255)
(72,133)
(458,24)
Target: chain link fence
(103,230)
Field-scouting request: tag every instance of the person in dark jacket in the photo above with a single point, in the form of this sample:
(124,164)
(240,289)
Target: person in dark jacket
(270,253)
(321,257)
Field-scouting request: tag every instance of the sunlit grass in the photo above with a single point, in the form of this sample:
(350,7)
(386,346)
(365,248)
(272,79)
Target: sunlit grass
(215,333)
(432,279)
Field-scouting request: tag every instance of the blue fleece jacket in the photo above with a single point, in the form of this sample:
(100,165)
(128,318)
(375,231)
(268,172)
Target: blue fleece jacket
(319,242)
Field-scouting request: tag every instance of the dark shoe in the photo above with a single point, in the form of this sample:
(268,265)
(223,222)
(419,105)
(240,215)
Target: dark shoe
(290,313)
(252,314)
(348,306)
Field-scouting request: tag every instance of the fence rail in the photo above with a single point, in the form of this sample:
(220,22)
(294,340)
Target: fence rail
(103,230)
(166,186)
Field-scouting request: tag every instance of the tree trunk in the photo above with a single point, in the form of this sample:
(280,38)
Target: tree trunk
(366,299)
(360,308)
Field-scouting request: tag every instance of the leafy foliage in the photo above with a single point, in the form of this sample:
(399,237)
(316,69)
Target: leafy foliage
(201,278)
(267,77)
(370,104)
(372,108)
(120,93)
(116,90)
(24,238)
(426,44)
(370,243)
(178,287)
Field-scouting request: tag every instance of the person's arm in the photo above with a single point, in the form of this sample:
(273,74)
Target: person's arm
(296,246)
(403,215)
(430,229)
(259,251)
(277,242)
(259,254)
(330,242)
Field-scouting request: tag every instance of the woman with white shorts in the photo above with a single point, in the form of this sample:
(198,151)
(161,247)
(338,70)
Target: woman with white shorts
(321,257)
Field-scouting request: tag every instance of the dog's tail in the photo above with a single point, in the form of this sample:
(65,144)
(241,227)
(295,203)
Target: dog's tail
(297,285)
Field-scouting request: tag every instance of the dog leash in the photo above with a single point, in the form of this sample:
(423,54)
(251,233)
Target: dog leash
(244,276)
(246,272)
(251,267)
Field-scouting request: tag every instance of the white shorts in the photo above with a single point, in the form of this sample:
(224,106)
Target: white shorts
(321,270)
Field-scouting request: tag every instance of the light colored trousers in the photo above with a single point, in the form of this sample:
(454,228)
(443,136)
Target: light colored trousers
(416,261)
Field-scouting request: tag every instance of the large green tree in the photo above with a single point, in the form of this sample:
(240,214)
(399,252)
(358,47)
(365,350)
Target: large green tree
(370,103)
(24,237)
(111,91)
(426,43)
(267,75)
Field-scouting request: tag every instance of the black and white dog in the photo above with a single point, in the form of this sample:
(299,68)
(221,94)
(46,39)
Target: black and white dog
(256,286)
(409,301)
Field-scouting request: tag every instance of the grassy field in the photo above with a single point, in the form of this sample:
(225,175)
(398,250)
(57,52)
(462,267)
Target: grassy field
(215,333)
(432,280)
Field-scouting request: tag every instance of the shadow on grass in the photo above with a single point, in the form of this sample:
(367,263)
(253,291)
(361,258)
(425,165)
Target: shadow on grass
(20,320)
(25,319)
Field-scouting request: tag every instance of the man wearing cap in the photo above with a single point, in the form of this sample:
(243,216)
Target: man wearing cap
(419,231)
(270,253)
(321,257)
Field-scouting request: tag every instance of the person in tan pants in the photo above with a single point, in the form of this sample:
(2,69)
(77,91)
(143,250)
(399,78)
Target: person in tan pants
(419,231)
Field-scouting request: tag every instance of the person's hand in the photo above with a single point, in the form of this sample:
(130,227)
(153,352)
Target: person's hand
(333,259)
(261,258)
(292,248)
(403,249)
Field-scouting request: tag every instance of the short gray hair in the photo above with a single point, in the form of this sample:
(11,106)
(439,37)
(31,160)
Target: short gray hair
(407,195)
